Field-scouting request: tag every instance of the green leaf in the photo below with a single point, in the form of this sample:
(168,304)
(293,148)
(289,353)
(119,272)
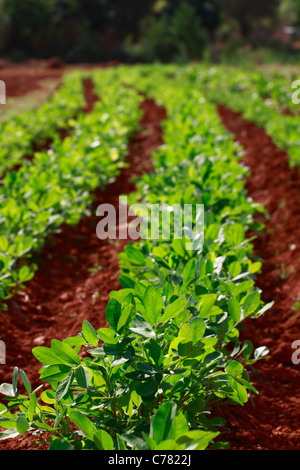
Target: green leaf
(126,282)
(121,359)
(64,387)
(140,289)
(22,425)
(60,444)
(178,247)
(142,328)
(153,304)
(234,368)
(185,332)
(82,376)
(247,385)
(161,422)
(74,341)
(25,381)
(243,287)
(255,267)
(178,427)
(185,347)
(189,271)
(7,423)
(127,312)
(47,356)
(150,443)
(90,334)
(135,256)
(3,244)
(265,308)
(97,351)
(65,352)
(206,303)
(120,295)
(114,349)
(235,234)
(121,443)
(155,352)
(32,407)
(22,245)
(113,313)
(55,373)
(197,440)
(234,309)
(197,328)
(241,395)
(197,405)
(135,442)
(48,396)
(146,389)
(251,303)
(148,369)
(107,335)
(4,411)
(25,274)
(247,349)
(168,444)
(84,424)
(235,269)
(174,309)
(103,440)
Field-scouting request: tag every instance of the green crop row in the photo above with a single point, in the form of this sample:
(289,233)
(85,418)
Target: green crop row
(56,186)
(20,132)
(229,89)
(171,352)
(273,88)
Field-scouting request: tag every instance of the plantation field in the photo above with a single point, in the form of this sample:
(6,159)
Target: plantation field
(151,343)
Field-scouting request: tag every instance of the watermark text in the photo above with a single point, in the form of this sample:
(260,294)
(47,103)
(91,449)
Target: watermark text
(2,92)
(152,221)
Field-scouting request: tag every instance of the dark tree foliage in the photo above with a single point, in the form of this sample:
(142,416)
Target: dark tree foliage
(207,10)
(23,22)
(128,14)
(73,29)
(249,12)
(172,36)
(100,30)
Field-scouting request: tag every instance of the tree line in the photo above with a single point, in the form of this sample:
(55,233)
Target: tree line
(101,30)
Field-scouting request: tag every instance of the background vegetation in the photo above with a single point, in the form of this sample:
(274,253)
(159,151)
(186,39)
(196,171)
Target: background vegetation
(151,30)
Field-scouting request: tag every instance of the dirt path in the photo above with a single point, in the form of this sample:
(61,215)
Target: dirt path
(274,422)
(21,80)
(31,76)
(76,272)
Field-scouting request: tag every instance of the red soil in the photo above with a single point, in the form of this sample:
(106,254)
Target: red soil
(66,290)
(274,422)
(22,79)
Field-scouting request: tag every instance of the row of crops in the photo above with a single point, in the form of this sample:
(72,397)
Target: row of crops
(171,352)
(55,187)
(270,101)
(18,133)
